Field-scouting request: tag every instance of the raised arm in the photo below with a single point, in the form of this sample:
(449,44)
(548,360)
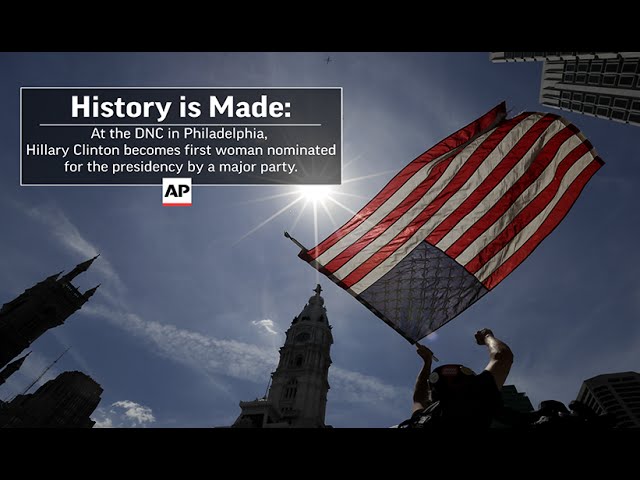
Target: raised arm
(421,392)
(500,356)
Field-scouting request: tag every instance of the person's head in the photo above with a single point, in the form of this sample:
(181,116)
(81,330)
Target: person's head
(450,381)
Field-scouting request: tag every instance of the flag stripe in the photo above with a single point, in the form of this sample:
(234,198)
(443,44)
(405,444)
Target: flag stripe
(459,218)
(567,170)
(550,223)
(396,213)
(499,205)
(426,192)
(432,212)
(395,200)
(462,136)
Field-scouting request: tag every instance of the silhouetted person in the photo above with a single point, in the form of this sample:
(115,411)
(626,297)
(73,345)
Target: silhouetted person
(453,396)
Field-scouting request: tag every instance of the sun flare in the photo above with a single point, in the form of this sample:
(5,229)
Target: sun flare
(315,193)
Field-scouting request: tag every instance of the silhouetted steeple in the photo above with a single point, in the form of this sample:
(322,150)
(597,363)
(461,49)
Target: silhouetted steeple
(88,294)
(81,267)
(39,308)
(53,277)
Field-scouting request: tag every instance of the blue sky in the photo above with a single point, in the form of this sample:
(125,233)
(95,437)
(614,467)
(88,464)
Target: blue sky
(192,310)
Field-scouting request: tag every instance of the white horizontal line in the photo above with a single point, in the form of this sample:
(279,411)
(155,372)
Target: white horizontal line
(159,184)
(177,88)
(180,125)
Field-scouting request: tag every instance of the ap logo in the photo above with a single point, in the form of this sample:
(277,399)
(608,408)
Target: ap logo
(176,192)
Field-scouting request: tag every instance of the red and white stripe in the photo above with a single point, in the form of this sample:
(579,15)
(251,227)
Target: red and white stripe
(486,196)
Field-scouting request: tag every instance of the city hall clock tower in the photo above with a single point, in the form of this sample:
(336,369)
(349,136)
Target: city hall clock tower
(298,393)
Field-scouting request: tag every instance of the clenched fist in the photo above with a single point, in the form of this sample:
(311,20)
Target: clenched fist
(481,334)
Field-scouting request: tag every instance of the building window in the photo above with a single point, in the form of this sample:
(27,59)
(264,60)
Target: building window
(575,106)
(609,80)
(602,112)
(629,67)
(620,102)
(299,361)
(570,67)
(566,95)
(635,118)
(564,104)
(291,389)
(568,78)
(626,388)
(635,105)
(577,96)
(581,78)
(583,67)
(618,115)
(590,98)
(596,67)
(611,66)
(588,109)
(594,79)
(606,101)
(626,81)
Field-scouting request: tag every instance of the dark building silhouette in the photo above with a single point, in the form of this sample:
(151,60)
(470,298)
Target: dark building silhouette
(614,393)
(298,393)
(12,368)
(45,305)
(66,401)
(515,400)
(514,403)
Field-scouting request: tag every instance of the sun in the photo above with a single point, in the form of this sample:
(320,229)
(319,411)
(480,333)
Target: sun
(315,193)
(320,200)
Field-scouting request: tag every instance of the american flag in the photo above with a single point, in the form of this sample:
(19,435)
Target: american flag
(458,219)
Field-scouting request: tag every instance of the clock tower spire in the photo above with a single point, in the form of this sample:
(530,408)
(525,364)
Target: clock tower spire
(298,393)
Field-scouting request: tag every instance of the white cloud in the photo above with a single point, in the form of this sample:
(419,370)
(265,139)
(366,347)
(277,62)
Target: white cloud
(265,325)
(356,387)
(70,237)
(136,412)
(106,422)
(123,414)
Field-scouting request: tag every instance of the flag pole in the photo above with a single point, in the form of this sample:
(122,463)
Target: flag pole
(286,234)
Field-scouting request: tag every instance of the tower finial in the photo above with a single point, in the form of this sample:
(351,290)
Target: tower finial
(318,289)
(89,293)
(81,267)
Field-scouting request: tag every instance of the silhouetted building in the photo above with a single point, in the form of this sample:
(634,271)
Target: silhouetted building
(513,403)
(616,393)
(599,84)
(298,393)
(66,401)
(45,305)
(515,400)
(12,368)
